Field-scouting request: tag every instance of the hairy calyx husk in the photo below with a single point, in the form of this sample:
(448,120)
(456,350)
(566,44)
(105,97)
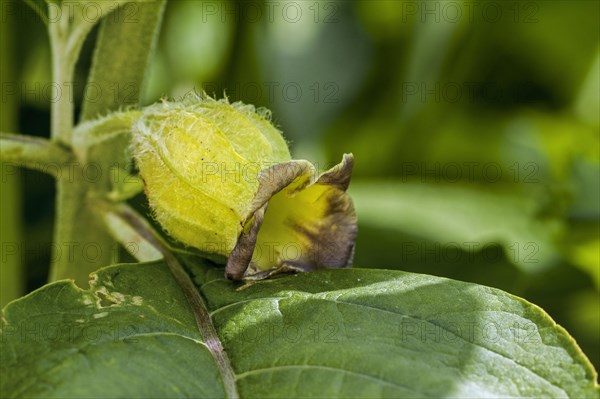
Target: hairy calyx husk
(219,177)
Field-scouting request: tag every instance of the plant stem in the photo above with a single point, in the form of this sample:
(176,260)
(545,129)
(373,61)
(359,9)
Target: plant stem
(131,239)
(81,245)
(62,112)
(33,153)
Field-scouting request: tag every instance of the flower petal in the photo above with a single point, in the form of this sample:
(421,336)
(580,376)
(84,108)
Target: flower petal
(297,221)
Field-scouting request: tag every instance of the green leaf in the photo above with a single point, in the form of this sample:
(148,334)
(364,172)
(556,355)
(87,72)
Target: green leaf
(117,339)
(121,57)
(586,256)
(333,333)
(463,216)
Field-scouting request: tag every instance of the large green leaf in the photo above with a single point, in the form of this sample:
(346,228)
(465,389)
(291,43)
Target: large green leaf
(335,333)
(120,338)
(463,216)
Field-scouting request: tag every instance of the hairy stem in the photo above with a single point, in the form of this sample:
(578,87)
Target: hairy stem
(81,245)
(63,66)
(34,153)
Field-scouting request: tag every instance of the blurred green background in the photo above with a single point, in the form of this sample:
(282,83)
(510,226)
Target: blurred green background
(474,125)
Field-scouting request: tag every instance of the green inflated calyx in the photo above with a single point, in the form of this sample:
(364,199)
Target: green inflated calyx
(219,177)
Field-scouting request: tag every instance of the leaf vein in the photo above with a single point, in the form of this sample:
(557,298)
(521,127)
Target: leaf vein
(329,368)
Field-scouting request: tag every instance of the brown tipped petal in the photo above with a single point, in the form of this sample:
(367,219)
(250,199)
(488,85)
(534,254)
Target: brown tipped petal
(310,222)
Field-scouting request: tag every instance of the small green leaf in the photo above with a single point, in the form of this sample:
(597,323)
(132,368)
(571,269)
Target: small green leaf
(332,333)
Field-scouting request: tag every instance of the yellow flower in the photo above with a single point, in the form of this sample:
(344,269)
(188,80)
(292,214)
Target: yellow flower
(219,177)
